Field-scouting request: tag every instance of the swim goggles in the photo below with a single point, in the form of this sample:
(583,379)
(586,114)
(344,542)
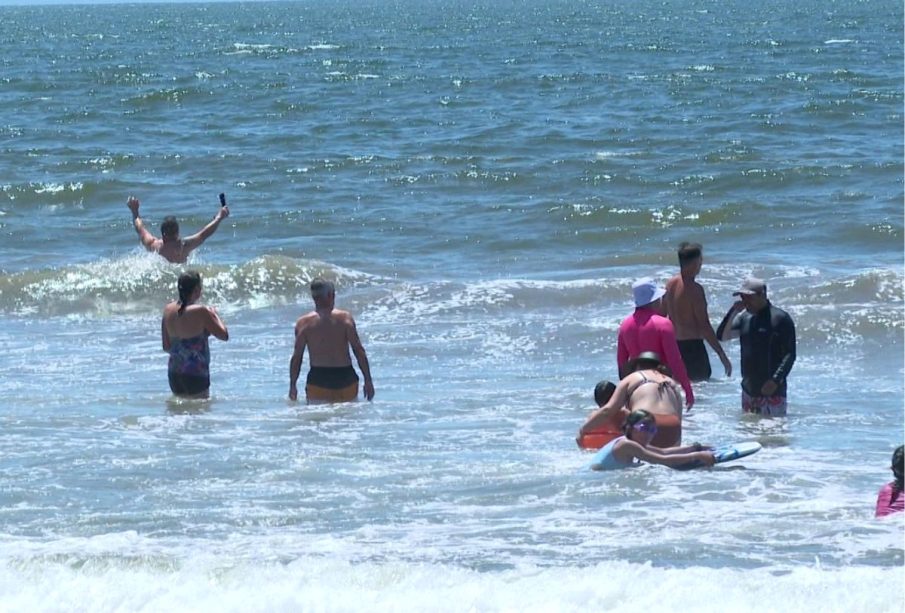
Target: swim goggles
(646,427)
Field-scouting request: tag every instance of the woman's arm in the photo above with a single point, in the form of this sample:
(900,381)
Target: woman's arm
(194,241)
(164,335)
(656,456)
(693,448)
(215,325)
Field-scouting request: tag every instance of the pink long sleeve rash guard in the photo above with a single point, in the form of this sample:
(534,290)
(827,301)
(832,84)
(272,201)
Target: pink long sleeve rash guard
(647,330)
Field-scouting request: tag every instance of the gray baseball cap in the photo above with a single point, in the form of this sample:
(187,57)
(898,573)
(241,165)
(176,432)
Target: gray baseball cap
(751,286)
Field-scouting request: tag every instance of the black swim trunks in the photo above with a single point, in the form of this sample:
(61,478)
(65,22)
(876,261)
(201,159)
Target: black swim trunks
(325,384)
(697,362)
(332,378)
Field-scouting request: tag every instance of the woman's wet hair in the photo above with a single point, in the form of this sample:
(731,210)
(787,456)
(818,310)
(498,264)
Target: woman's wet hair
(898,469)
(638,416)
(647,360)
(603,392)
(187,283)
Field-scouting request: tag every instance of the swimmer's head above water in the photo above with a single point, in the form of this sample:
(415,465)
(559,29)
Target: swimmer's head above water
(188,284)
(640,424)
(690,256)
(603,392)
(323,292)
(169,229)
(647,360)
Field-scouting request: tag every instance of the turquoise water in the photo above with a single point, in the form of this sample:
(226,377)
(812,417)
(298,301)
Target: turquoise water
(483,181)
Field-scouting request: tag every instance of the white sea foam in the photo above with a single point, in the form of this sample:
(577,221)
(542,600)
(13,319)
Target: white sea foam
(56,188)
(487,293)
(328,584)
(252,46)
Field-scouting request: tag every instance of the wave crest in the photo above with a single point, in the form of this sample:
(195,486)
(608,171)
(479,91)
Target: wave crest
(143,283)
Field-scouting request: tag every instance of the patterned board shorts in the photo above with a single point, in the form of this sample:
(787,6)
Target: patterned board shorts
(771,406)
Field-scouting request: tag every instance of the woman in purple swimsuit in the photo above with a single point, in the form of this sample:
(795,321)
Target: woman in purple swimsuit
(185,328)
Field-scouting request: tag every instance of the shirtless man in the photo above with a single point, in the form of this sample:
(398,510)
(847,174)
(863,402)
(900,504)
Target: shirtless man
(170,246)
(686,307)
(328,333)
(648,387)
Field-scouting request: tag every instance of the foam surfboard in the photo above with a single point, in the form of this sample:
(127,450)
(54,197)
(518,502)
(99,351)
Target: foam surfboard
(736,451)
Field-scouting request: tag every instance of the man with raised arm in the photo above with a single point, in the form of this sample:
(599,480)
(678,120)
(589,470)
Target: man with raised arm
(686,306)
(767,336)
(170,246)
(328,333)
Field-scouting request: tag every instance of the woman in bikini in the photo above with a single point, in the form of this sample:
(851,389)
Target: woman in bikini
(650,388)
(185,328)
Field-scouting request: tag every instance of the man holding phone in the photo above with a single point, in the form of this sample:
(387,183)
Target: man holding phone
(170,246)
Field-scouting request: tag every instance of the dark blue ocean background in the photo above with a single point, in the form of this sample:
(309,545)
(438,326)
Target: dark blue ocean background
(483,181)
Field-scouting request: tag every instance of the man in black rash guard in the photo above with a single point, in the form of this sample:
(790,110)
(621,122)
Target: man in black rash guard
(767,337)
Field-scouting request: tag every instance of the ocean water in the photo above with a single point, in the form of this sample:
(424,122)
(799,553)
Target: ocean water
(483,181)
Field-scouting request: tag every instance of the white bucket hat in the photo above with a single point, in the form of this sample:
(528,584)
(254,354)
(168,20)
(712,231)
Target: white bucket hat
(645,291)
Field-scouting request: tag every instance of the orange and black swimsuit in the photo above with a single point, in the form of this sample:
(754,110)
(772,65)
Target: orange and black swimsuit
(331,384)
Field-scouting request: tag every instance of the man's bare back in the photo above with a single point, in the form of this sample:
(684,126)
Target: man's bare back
(684,301)
(327,336)
(686,306)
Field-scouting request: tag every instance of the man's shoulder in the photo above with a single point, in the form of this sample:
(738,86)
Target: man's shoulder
(778,313)
(343,316)
(305,319)
(690,289)
(779,310)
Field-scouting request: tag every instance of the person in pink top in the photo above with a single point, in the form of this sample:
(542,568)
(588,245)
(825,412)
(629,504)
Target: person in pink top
(647,329)
(890,499)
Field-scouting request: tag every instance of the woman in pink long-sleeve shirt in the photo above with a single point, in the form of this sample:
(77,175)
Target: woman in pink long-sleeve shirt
(890,499)
(648,330)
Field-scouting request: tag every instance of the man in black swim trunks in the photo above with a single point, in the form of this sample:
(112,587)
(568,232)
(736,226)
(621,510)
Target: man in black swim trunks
(328,333)
(767,336)
(686,306)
